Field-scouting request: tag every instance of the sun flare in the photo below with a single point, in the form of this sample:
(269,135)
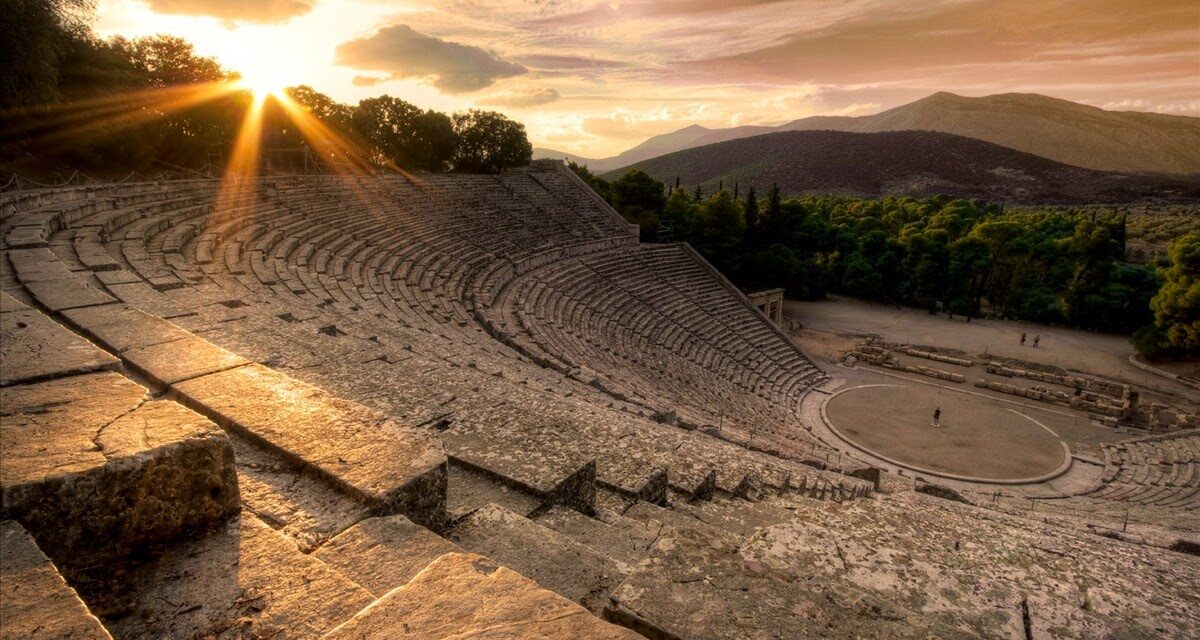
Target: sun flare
(262,81)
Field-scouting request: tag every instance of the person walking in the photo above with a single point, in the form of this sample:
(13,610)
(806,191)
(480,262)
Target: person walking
(937,416)
(1022,338)
(1036,340)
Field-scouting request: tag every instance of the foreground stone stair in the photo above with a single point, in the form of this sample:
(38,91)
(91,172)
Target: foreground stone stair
(35,602)
(466,596)
(93,458)
(572,570)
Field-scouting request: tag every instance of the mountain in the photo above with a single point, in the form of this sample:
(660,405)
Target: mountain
(919,163)
(1057,129)
(684,138)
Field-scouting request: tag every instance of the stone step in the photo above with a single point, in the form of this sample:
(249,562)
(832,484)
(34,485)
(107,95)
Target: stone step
(35,601)
(155,348)
(467,490)
(294,500)
(241,580)
(392,468)
(33,347)
(736,516)
(462,595)
(96,470)
(555,561)
(623,540)
(556,473)
(383,553)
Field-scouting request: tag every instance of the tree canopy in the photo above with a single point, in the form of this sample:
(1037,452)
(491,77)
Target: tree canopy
(964,256)
(70,100)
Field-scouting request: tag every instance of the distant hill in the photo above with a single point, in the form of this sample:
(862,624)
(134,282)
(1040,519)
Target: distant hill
(1049,127)
(906,163)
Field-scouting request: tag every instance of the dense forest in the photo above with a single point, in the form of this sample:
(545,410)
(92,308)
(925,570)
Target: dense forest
(960,256)
(72,101)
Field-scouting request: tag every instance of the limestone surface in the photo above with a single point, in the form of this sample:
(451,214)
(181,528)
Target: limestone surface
(91,457)
(395,469)
(34,347)
(383,553)
(242,581)
(35,601)
(464,595)
(556,562)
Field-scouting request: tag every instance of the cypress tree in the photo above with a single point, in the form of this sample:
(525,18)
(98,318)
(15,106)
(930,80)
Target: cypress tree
(751,212)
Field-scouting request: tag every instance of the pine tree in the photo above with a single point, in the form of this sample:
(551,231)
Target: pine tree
(699,194)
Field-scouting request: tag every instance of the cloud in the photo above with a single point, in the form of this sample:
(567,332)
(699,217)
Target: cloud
(519,99)
(257,11)
(366,81)
(405,53)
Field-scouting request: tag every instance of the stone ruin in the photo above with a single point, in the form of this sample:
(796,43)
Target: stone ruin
(466,405)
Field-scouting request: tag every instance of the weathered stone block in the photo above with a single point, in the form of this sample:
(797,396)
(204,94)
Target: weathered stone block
(67,293)
(391,467)
(244,580)
(96,470)
(35,602)
(34,347)
(557,562)
(468,596)
(383,553)
(120,327)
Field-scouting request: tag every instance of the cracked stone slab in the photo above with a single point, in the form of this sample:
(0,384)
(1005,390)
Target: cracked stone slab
(463,595)
(95,470)
(384,553)
(167,363)
(35,602)
(243,580)
(391,467)
(120,327)
(555,561)
(33,347)
(67,293)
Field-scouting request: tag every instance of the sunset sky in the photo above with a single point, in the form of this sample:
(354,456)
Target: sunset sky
(594,78)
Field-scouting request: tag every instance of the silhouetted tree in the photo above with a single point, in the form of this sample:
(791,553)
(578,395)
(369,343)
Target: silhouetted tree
(489,141)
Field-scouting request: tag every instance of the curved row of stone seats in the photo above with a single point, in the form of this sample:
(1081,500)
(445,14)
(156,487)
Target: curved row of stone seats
(684,477)
(156,483)
(653,326)
(1162,470)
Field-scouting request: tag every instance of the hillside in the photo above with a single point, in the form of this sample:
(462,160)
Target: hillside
(906,163)
(1057,129)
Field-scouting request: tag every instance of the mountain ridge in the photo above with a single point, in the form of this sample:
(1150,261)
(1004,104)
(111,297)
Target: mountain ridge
(917,163)
(1057,129)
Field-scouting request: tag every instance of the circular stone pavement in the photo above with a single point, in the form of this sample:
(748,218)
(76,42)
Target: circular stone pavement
(979,438)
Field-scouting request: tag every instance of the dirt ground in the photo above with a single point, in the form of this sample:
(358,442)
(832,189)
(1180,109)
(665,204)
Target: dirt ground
(978,437)
(1098,354)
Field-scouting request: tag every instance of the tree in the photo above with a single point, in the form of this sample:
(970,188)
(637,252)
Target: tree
(598,184)
(719,230)
(640,199)
(490,142)
(403,135)
(167,61)
(1176,306)
(37,36)
(750,211)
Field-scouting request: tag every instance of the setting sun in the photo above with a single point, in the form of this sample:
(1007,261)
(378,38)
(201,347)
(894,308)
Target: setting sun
(261,84)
